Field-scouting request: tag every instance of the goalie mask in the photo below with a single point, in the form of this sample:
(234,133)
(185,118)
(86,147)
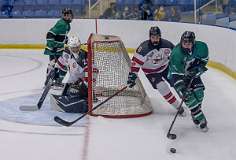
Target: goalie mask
(74,44)
(155,35)
(187,41)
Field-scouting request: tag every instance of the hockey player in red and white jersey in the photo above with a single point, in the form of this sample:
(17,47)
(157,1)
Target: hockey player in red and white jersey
(152,56)
(74,95)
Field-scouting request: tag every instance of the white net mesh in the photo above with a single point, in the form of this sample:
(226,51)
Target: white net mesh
(113,63)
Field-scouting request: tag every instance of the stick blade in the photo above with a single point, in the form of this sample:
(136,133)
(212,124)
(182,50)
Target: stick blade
(29,108)
(62,122)
(171,136)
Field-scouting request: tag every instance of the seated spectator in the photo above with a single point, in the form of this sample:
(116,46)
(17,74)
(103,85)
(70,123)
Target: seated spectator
(174,15)
(126,14)
(146,8)
(160,14)
(226,6)
(135,14)
(111,12)
(7,7)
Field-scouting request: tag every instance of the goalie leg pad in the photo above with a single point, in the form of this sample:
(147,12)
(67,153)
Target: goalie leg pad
(69,104)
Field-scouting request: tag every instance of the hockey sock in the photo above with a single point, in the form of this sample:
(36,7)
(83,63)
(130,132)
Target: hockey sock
(197,114)
(164,90)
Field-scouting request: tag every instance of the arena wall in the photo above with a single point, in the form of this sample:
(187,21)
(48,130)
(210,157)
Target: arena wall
(31,33)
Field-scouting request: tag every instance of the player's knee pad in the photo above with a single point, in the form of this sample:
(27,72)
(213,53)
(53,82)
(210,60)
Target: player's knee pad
(199,94)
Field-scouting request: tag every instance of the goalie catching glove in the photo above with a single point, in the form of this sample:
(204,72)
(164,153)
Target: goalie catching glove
(131,79)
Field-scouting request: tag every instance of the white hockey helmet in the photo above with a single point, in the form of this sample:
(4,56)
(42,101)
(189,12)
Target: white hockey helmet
(74,44)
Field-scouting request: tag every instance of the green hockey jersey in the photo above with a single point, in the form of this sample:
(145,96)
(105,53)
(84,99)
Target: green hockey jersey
(56,38)
(181,62)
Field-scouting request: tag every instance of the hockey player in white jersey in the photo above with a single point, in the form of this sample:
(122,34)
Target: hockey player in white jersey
(153,57)
(74,95)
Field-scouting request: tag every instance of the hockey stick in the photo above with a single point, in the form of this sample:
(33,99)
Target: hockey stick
(67,123)
(48,82)
(172,135)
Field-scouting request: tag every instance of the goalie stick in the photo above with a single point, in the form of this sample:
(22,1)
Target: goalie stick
(48,82)
(67,123)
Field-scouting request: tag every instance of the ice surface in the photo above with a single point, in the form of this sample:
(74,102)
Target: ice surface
(36,137)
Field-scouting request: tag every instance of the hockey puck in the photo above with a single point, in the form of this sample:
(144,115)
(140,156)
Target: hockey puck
(172,150)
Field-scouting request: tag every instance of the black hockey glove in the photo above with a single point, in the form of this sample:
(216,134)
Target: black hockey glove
(182,90)
(196,71)
(131,79)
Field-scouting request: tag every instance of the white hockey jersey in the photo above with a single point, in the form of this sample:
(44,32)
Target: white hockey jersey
(74,64)
(152,59)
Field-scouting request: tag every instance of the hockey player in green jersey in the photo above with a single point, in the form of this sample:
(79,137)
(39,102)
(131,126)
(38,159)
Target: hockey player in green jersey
(56,39)
(57,35)
(187,62)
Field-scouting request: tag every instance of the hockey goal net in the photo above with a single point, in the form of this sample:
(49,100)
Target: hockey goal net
(110,62)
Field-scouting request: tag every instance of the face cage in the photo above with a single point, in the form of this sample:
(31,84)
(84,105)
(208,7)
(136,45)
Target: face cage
(75,49)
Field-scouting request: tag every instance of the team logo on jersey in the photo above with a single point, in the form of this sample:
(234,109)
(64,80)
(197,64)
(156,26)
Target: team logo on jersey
(156,56)
(74,65)
(167,52)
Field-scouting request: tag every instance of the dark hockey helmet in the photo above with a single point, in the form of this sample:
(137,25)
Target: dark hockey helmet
(155,31)
(188,36)
(154,35)
(67,11)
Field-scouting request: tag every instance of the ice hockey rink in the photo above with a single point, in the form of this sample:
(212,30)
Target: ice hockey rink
(35,136)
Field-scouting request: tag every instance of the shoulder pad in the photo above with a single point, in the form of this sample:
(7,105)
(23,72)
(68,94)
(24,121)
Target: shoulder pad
(143,48)
(166,44)
(202,50)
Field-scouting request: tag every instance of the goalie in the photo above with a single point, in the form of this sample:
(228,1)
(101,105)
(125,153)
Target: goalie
(74,95)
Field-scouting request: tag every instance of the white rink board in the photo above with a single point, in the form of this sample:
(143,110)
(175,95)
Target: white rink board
(221,41)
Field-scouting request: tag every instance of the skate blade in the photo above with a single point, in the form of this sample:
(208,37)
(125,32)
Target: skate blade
(184,114)
(204,129)
(29,108)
